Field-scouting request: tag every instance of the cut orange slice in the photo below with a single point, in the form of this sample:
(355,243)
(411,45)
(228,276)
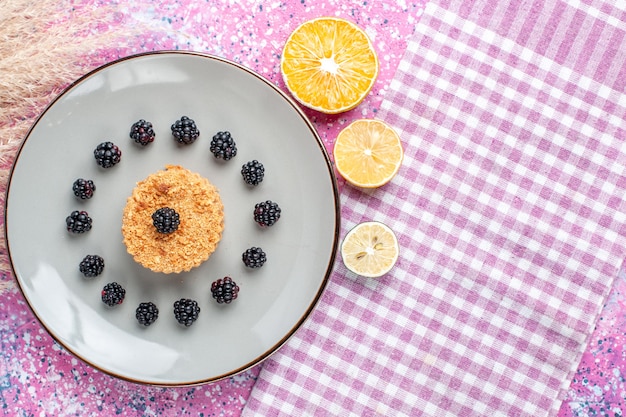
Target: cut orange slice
(370,249)
(329,64)
(368,153)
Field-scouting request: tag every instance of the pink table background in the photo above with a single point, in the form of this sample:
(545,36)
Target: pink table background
(38,377)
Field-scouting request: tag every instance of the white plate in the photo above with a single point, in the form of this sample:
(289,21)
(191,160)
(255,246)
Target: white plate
(274,300)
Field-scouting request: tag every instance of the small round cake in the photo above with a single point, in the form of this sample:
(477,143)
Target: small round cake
(201,215)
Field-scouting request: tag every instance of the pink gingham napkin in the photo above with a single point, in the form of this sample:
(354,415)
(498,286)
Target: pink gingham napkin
(510,214)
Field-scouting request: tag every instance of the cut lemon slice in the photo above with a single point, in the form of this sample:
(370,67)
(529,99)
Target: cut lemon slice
(368,153)
(370,249)
(329,64)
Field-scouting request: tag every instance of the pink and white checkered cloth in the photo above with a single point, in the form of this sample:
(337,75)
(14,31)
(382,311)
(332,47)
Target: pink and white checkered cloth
(510,213)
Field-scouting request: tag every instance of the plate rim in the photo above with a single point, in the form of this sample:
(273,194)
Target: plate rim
(330,171)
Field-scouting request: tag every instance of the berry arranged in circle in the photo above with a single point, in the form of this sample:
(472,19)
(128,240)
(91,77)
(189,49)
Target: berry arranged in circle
(78,222)
(147,313)
(107,154)
(83,188)
(254,257)
(185,130)
(266,213)
(223,146)
(113,294)
(186,311)
(142,132)
(166,220)
(91,265)
(224,290)
(253,172)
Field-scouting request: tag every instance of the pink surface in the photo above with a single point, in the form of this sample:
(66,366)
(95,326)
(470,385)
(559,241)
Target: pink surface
(37,377)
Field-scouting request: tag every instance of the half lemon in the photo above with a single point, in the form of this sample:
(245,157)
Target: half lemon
(368,153)
(370,249)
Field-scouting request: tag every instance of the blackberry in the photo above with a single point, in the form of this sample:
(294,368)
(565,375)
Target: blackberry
(107,154)
(78,222)
(224,290)
(254,257)
(147,313)
(113,294)
(185,130)
(186,311)
(223,146)
(253,172)
(166,220)
(91,265)
(83,188)
(142,132)
(266,213)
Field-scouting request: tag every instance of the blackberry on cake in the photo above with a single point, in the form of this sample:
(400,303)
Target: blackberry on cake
(186,311)
(83,188)
(78,222)
(254,257)
(107,154)
(91,265)
(185,130)
(166,220)
(224,290)
(266,213)
(253,172)
(147,313)
(113,294)
(223,146)
(142,132)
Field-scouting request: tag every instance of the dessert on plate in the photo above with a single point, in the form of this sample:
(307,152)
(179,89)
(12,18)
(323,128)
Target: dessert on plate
(173,220)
